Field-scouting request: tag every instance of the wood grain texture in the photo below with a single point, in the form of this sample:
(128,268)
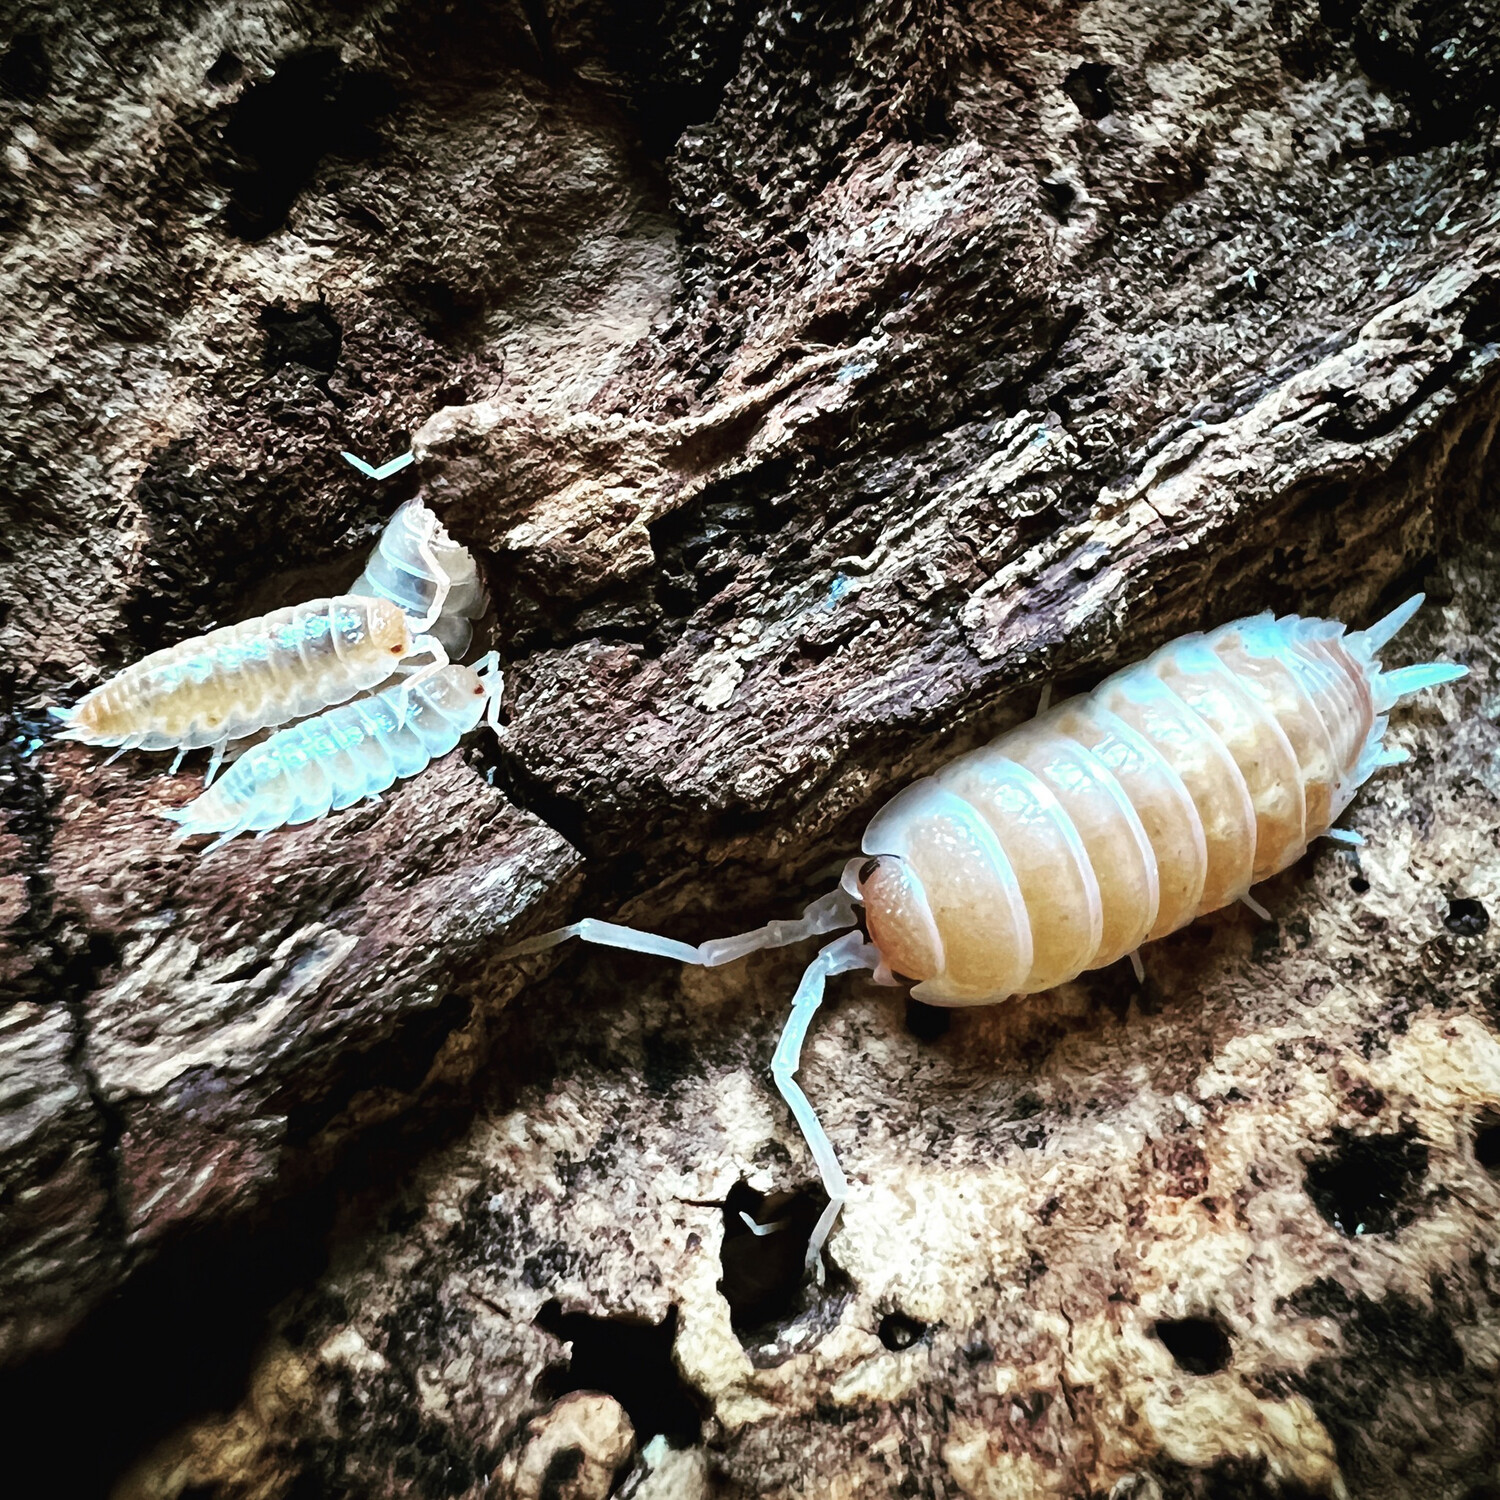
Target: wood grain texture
(814,383)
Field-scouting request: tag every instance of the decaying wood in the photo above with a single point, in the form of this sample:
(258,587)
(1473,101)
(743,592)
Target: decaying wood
(815,383)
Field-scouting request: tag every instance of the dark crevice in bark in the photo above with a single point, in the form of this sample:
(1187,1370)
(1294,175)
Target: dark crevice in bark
(112,1221)
(35,963)
(51,960)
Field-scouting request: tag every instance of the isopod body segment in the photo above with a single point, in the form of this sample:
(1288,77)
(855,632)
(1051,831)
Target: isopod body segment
(240,679)
(417,566)
(337,758)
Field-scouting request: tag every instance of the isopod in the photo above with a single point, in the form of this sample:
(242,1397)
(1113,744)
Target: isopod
(419,567)
(240,679)
(337,758)
(1112,819)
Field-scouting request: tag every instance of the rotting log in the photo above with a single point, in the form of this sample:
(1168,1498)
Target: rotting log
(815,383)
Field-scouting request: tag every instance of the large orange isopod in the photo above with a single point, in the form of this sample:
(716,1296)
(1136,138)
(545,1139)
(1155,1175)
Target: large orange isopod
(1112,819)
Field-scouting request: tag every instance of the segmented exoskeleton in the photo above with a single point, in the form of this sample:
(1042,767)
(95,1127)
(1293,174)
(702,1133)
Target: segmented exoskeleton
(1114,818)
(240,679)
(335,759)
(418,566)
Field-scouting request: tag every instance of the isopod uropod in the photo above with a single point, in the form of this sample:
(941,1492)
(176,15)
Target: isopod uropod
(419,567)
(1112,819)
(243,678)
(335,759)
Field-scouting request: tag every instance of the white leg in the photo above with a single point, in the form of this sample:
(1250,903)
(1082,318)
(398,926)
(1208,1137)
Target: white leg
(214,762)
(1248,900)
(176,761)
(838,957)
(1138,966)
(1345,836)
(1045,701)
(132,743)
(225,837)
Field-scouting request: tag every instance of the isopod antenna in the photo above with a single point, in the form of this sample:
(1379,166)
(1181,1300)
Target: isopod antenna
(828,913)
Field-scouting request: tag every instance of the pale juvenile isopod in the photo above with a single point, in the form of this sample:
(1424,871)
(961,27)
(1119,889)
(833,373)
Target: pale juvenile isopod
(1112,819)
(419,567)
(240,679)
(337,758)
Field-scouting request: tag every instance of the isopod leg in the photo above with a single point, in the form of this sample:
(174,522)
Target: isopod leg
(214,762)
(1247,900)
(1138,966)
(176,761)
(1344,836)
(224,838)
(844,953)
(133,743)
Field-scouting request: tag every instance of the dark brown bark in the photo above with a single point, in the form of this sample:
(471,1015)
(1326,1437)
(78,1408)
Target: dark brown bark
(815,383)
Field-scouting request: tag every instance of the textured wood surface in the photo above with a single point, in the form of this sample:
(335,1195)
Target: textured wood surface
(815,383)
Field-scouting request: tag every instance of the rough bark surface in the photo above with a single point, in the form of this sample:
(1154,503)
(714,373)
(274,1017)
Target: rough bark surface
(815,382)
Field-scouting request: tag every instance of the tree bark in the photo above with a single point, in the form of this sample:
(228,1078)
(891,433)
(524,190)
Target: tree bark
(815,383)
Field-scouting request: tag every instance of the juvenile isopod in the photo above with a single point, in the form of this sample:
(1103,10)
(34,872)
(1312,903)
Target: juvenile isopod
(240,679)
(1112,819)
(337,758)
(419,567)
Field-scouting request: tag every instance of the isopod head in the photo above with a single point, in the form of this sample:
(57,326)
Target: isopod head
(459,693)
(898,916)
(388,627)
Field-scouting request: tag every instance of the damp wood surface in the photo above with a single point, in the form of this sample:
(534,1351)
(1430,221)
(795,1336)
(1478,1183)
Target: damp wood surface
(814,383)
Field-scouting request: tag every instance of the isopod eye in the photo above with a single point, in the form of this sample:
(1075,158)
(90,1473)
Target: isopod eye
(479,691)
(868,869)
(398,651)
